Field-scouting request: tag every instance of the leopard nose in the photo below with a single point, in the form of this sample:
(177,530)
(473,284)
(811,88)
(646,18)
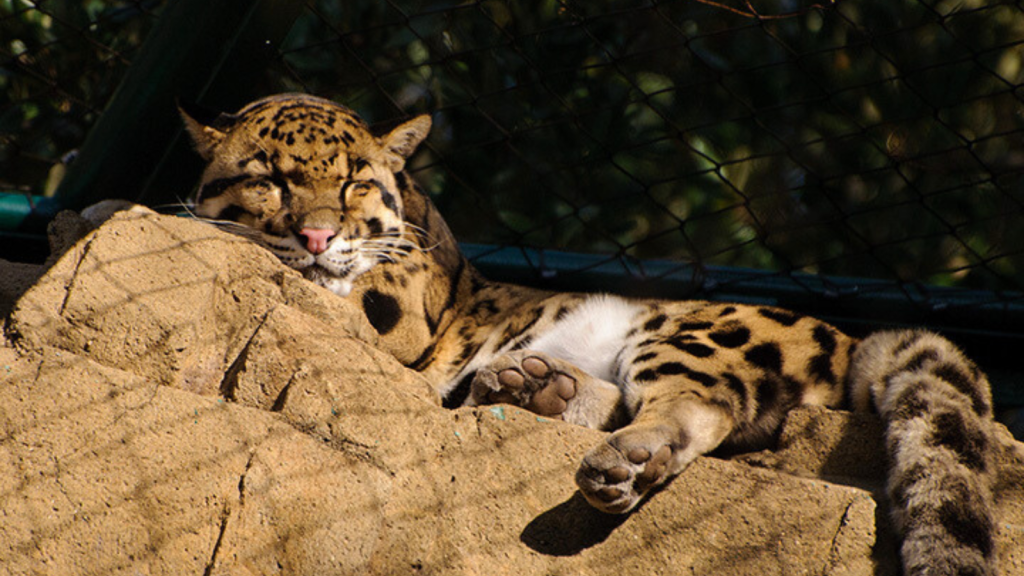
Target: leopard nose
(317,239)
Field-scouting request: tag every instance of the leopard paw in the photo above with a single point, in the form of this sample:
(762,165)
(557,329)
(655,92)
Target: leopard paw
(616,475)
(531,380)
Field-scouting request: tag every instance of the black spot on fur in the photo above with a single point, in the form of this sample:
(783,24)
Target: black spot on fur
(645,357)
(488,304)
(468,351)
(918,360)
(458,395)
(655,323)
(964,383)
(732,382)
(820,365)
(731,337)
(646,375)
(230,213)
(692,348)
(784,317)
(679,369)
(401,181)
(672,369)
(776,393)
(820,368)
(727,311)
(825,337)
(512,331)
(766,356)
(215,188)
(691,326)
(426,358)
(907,341)
(382,310)
(949,429)
(767,394)
(534,318)
(389,199)
(912,402)
(375,226)
(967,524)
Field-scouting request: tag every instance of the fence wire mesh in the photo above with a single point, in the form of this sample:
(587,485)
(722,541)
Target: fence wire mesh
(868,139)
(879,139)
(60,62)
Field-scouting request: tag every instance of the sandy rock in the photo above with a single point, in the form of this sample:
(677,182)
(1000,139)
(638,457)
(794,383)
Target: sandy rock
(174,401)
(166,298)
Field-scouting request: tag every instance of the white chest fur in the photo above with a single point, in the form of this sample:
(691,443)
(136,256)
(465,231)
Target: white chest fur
(591,336)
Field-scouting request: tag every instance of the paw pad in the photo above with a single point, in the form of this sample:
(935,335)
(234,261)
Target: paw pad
(531,383)
(654,469)
(616,474)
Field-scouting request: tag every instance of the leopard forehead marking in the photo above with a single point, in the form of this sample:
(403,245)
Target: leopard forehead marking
(305,139)
(306,178)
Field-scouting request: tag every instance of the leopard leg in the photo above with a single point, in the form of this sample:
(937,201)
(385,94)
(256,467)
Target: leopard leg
(547,386)
(667,434)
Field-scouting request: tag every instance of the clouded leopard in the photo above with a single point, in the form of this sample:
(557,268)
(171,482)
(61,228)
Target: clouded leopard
(671,380)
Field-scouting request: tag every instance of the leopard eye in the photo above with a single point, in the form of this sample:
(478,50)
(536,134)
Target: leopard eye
(215,188)
(233,213)
(357,188)
(263,198)
(278,181)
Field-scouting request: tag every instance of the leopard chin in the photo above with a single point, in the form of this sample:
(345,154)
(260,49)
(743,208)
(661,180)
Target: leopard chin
(340,285)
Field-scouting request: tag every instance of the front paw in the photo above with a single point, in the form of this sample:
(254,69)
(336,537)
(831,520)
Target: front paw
(615,475)
(527,379)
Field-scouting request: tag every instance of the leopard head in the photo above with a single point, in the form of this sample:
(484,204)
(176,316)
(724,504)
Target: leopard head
(307,179)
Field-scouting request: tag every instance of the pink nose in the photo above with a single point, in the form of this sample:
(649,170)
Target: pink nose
(316,239)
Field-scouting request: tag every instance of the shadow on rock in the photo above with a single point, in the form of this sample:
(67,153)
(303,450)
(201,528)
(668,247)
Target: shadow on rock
(570,527)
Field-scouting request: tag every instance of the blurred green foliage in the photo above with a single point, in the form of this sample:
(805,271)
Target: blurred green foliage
(60,60)
(881,139)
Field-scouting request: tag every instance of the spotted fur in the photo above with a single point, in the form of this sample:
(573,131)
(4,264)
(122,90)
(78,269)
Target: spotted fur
(671,380)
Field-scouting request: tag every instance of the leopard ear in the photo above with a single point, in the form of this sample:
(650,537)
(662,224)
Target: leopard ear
(401,142)
(206,127)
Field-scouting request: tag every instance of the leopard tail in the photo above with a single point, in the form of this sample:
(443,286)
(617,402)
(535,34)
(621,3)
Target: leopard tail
(937,410)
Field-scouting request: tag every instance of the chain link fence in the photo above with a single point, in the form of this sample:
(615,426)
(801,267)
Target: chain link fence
(880,140)
(60,61)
